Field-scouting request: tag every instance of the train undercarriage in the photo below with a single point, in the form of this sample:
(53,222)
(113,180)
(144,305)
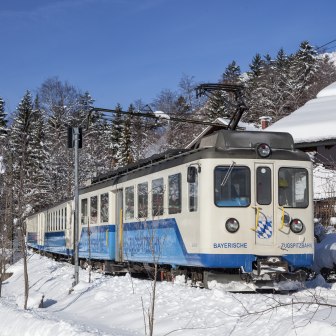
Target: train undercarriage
(269,274)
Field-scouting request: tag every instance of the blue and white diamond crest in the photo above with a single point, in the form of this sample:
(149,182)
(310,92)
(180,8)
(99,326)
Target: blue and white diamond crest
(265,229)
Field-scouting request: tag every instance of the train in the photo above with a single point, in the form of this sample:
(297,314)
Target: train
(238,206)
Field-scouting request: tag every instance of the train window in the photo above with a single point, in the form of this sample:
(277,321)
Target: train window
(104,208)
(143,200)
(232,186)
(174,194)
(84,211)
(157,197)
(93,209)
(62,220)
(58,219)
(129,202)
(293,187)
(264,185)
(193,193)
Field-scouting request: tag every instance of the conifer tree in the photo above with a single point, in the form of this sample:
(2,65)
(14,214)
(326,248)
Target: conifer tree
(231,74)
(256,66)
(179,133)
(304,66)
(126,150)
(3,121)
(22,146)
(219,105)
(116,136)
(40,155)
(59,102)
(93,155)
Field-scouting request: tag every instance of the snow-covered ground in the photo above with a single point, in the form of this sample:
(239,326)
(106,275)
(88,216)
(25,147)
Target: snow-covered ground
(114,306)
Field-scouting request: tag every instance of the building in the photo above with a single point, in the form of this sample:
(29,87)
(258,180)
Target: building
(313,127)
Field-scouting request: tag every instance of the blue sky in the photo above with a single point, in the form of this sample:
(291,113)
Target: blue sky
(124,50)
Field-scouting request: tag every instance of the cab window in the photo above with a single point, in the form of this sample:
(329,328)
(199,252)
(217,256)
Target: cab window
(293,187)
(232,186)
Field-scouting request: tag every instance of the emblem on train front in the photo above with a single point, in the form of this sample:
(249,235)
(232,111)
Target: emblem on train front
(265,229)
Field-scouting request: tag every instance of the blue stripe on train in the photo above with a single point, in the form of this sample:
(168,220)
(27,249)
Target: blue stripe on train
(32,239)
(146,241)
(55,242)
(102,242)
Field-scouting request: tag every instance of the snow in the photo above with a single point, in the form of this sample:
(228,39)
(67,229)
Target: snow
(324,181)
(329,91)
(112,305)
(162,115)
(312,122)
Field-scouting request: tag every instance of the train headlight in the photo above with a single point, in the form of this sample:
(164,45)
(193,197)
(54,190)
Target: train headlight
(263,150)
(232,225)
(296,225)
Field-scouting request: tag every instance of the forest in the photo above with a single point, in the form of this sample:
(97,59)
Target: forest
(36,167)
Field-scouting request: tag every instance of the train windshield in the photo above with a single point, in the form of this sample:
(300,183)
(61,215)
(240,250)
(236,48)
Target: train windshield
(232,186)
(293,187)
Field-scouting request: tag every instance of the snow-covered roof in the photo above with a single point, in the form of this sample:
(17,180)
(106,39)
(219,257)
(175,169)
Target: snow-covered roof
(313,122)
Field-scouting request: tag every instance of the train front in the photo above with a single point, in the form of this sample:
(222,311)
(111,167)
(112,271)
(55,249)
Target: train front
(259,213)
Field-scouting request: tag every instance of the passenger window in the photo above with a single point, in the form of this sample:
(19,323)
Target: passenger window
(264,185)
(129,202)
(93,209)
(174,194)
(62,220)
(143,200)
(293,187)
(193,194)
(59,219)
(104,208)
(232,186)
(157,197)
(84,211)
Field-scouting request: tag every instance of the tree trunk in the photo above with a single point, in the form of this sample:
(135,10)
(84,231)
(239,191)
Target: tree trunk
(25,267)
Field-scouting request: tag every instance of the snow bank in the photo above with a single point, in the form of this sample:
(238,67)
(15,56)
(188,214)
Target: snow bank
(329,91)
(114,306)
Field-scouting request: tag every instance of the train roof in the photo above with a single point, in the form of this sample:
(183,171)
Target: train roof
(221,144)
(226,139)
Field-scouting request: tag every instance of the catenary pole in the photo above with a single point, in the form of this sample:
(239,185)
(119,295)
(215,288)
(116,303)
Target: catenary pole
(76,215)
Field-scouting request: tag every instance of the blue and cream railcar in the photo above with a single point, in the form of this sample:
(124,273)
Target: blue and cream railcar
(51,230)
(239,202)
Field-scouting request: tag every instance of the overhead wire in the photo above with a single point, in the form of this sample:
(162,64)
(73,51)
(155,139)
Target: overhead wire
(320,47)
(158,118)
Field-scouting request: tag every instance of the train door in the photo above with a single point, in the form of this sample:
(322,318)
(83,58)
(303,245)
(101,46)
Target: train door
(264,204)
(41,228)
(119,224)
